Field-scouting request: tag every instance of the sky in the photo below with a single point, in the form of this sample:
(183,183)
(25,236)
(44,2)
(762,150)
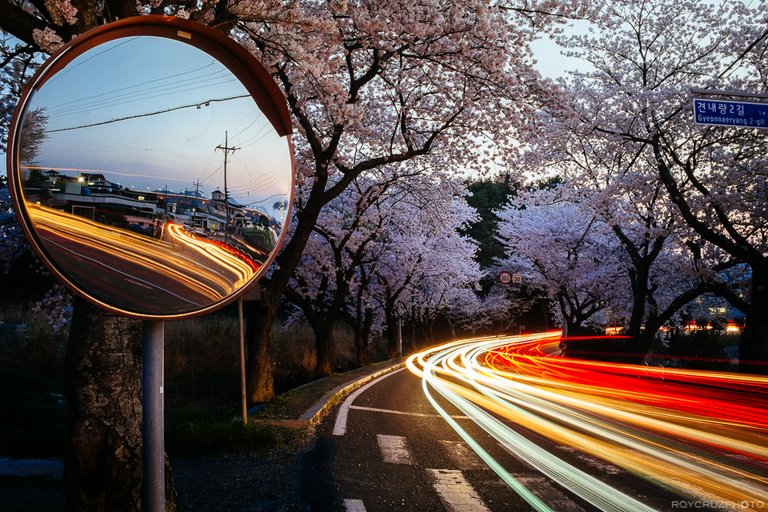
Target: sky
(153,113)
(174,149)
(550,61)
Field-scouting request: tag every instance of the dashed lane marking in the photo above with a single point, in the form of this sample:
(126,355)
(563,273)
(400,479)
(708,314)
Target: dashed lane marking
(394,449)
(456,493)
(403,413)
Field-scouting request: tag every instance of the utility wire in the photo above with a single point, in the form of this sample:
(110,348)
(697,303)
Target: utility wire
(147,114)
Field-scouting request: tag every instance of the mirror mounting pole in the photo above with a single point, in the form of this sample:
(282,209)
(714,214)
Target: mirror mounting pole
(153,483)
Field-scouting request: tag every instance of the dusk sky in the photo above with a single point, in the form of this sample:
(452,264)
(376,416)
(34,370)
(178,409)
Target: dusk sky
(149,113)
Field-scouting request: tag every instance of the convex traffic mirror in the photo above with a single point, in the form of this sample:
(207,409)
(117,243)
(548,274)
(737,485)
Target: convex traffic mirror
(151,167)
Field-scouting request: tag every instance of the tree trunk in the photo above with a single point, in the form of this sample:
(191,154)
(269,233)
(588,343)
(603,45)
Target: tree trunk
(261,317)
(412,330)
(258,332)
(324,365)
(367,327)
(392,347)
(103,467)
(362,327)
(569,321)
(639,342)
(361,347)
(639,279)
(753,346)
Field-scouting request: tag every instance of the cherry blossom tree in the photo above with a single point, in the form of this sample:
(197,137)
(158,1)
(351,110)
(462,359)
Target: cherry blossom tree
(428,270)
(368,84)
(647,57)
(566,249)
(613,179)
(379,242)
(332,259)
(375,84)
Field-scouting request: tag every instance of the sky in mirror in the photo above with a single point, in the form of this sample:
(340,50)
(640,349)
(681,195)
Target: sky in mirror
(152,113)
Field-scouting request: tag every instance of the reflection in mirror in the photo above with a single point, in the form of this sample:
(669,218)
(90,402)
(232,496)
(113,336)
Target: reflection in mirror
(151,178)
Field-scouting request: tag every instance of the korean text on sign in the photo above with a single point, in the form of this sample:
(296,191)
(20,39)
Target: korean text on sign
(731,113)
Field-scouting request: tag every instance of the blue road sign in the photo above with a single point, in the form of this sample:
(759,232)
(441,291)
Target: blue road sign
(730,113)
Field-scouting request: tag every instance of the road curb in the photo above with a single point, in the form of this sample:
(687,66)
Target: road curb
(320,408)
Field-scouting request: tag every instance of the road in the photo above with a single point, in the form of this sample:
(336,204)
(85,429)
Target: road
(525,429)
(137,273)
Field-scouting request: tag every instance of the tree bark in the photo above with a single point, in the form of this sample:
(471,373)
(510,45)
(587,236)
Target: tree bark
(103,466)
(258,332)
(361,346)
(324,346)
(361,324)
(638,278)
(753,345)
(391,323)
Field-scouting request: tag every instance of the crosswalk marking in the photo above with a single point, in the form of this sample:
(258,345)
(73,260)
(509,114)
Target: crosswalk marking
(542,487)
(454,490)
(394,449)
(354,506)
(605,467)
(462,455)
(456,493)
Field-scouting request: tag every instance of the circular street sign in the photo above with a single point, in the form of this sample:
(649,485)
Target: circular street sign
(151,167)
(505,277)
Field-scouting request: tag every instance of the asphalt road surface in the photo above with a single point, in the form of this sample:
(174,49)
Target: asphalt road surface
(394,452)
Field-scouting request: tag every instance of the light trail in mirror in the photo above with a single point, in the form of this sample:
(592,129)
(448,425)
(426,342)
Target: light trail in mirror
(137,272)
(700,435)
(151,167)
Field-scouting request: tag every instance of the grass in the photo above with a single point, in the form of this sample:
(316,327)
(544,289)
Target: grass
(38,418)
(203,434)
(202,373)
(31,386)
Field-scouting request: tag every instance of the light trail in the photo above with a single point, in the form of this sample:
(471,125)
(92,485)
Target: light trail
(700,435)
(195,270)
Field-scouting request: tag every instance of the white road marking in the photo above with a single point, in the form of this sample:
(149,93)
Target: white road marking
(340,427)
(542,487)
(131,277)
(403,413)
(394,449)
(354,506)
(463,456)
(455,492)
(605,467)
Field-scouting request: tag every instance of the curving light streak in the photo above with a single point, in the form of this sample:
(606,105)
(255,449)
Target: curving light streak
(239,267)
(207,271)
(698,434)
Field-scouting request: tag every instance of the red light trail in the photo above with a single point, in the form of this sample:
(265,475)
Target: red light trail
(701,435)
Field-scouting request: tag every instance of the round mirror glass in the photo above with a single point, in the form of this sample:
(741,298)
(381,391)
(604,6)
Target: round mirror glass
(148,176)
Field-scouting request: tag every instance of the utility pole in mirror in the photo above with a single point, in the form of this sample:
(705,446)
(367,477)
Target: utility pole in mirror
(226,150)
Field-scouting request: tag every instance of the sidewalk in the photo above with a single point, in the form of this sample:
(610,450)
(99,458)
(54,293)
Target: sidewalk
(305,405)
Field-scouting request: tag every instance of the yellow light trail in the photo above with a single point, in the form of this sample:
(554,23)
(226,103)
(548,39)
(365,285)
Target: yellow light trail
(206,268)
(697,434)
